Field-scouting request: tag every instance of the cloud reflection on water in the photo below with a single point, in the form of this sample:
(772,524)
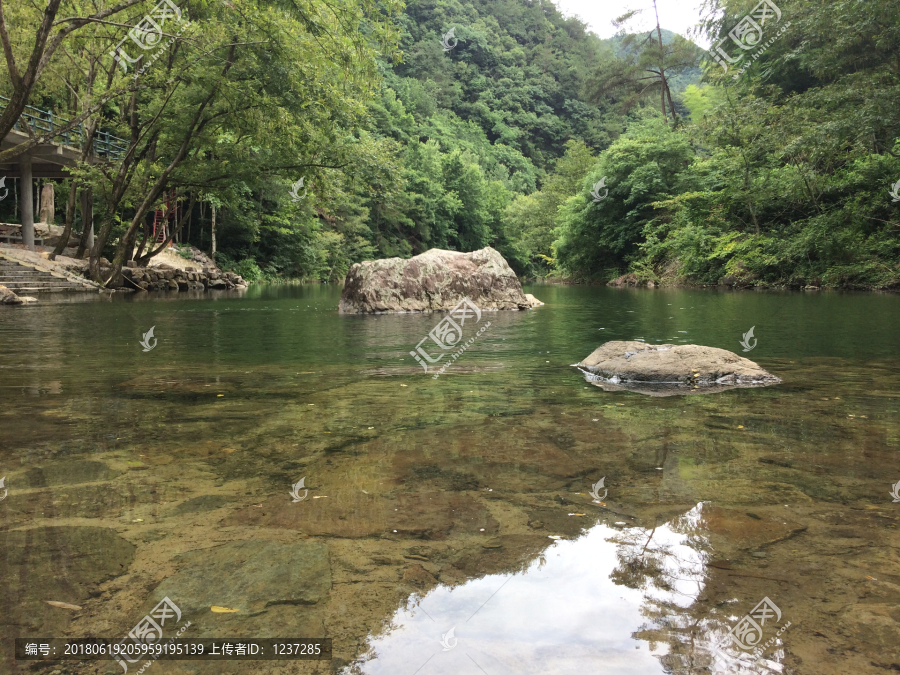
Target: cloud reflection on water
(570,609)
(580,605)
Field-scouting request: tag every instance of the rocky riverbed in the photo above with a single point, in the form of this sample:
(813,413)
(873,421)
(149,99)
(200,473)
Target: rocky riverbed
(202,514)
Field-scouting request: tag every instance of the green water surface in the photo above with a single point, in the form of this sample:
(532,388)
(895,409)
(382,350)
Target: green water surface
(449,525)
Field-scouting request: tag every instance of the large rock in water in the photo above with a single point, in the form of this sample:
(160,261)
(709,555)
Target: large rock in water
(432,281)
(666,370)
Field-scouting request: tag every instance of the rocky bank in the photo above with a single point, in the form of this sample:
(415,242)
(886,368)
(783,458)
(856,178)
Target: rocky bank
(7,297)
(167,278)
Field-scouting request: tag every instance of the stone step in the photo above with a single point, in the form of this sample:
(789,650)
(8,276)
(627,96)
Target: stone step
(32,281)
(44,289)
(36,277)
(23,279)
(13,285)
(24,274)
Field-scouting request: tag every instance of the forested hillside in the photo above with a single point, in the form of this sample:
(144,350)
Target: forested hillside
(465,123)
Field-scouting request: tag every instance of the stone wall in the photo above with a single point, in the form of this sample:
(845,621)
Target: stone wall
(167,278)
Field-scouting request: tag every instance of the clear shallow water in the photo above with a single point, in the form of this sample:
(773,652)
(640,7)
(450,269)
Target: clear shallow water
(135,473)
(564,611)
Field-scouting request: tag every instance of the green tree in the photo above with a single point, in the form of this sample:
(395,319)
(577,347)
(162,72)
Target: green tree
(646,67)
(647,164)
(530,220)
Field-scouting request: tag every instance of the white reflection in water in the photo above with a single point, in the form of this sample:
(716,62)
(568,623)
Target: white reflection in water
(563,614)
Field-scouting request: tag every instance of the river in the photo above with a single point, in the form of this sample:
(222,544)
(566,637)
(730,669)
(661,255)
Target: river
(446,525)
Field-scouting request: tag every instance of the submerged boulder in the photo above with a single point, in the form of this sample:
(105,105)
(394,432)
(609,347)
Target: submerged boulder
(666,370)
(436,280)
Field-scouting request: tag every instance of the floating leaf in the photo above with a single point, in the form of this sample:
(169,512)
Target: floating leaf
(61,605)
(223,610)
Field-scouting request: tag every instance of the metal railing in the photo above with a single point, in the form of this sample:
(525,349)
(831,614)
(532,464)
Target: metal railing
(44,121)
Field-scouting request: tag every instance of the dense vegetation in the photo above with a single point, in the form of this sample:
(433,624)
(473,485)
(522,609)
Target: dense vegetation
(500,133)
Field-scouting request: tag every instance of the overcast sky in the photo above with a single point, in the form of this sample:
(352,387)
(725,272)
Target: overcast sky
(674,15)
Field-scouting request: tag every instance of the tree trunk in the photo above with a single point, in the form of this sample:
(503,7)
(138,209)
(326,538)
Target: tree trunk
(143,243)
(27,202)
(212,231)
(70,217)
(200,224)
(750,197)
(176,228)
(663,84)
(87,223)
(115,279)
(671,105)
(187,239)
